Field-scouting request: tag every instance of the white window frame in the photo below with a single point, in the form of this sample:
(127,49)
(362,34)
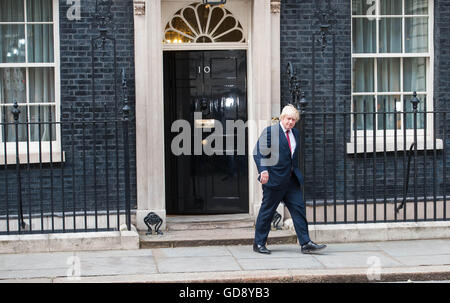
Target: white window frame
(37,153)
(390,141)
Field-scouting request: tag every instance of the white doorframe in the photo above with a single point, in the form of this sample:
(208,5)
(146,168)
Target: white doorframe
(261,103)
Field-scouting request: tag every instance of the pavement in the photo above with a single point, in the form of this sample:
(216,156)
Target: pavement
(390,261)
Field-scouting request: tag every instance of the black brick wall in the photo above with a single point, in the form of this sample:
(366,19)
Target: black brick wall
(298,25)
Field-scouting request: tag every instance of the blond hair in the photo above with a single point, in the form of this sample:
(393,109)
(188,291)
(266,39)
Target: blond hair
(291,111)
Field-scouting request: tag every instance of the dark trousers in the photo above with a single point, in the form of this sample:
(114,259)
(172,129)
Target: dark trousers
(292,198)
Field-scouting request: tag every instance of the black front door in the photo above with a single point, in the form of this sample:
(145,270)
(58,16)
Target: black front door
(212,83)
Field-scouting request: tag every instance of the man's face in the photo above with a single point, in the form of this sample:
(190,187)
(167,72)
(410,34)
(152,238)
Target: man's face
(288,122)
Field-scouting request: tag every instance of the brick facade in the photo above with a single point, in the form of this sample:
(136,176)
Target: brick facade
(77,105)
(298,25)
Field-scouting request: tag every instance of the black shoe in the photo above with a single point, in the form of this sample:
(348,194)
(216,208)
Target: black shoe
(312,247)
(262,249)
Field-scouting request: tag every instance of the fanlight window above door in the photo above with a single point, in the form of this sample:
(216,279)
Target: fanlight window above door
(197,23)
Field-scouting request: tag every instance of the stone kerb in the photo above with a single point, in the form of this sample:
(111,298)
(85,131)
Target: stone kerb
(82,241)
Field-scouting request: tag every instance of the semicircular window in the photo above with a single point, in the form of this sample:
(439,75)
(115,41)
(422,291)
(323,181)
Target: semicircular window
(198,23)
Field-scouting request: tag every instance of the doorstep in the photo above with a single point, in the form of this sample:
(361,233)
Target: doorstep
(206,230)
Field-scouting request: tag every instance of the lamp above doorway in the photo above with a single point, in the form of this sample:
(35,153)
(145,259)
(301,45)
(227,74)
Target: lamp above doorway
(214,2)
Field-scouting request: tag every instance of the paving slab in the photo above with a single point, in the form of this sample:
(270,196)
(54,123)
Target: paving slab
(278,251)
(416,247)
(353,247)
(204,251)
(34,261)
(280,263)
(196,264)
(117,266)
(114,253)
(332,259)
(425,260)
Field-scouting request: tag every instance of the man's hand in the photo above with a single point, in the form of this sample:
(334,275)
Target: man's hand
(264,177)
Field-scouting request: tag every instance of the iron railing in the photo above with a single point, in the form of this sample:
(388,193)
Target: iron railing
(83,186)
(357,174)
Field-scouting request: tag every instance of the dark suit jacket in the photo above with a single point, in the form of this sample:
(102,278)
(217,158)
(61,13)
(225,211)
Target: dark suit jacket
(272,154)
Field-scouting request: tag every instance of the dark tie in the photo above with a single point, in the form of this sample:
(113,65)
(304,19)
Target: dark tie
(289,141)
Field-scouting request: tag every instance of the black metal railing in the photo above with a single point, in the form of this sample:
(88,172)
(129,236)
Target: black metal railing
(358,172)
(78,181)
(364,162)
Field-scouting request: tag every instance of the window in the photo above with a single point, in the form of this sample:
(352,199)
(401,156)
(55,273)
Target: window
(391,58)
(29,74)
(198,23)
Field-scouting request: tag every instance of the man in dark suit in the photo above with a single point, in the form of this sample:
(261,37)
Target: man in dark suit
(276,156)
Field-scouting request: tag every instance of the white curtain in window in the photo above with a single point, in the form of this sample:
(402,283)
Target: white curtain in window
(41,90)
(414,74)
(388,74)
(12,36)
(390,7)
(364,104)
(11,10)
(13,88)
(416,35)
(40,36)
(363,75)
(41,82)
(364,35)
(390,36)
(387,103)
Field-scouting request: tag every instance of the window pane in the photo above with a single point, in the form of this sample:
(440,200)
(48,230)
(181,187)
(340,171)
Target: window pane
(203,13)
(180,25)
(233,36)
(227,24)
(388,104)
(420,109)
(363,104)
(416,35)
(391,7)
(12,43)
(416,7)
(41,84)
(43,114)
(363,75)
(216,16)
(39,10)
(11,11)
(12,85)
(190,16)
(174,37)
(40,43)
(364,35)
(414,74)
(363,7)
(388,74)
(9,131)
(390,35)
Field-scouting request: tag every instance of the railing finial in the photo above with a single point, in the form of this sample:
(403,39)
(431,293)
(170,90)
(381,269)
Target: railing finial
(415,101)
(15,111)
